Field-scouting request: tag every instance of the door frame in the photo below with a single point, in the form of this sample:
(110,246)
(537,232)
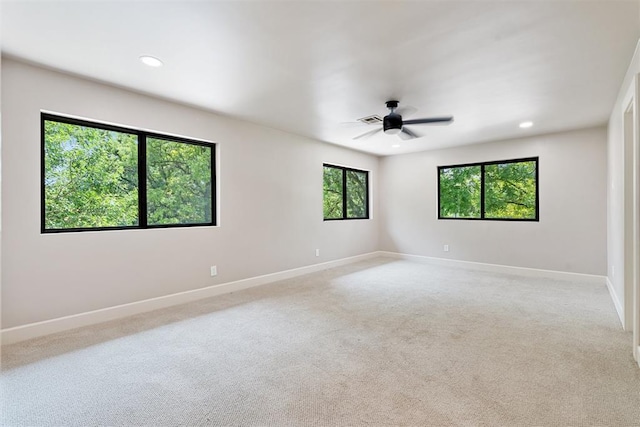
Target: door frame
(636,220)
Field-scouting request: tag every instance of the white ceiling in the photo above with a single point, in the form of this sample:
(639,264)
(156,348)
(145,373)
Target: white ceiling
(306,67)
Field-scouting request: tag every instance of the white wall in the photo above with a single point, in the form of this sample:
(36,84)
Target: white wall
(270,204)
(619,193)
(0,175)
(571,233)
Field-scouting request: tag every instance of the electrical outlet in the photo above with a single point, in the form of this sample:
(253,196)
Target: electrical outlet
(214,270)
(446,248)
(317,252)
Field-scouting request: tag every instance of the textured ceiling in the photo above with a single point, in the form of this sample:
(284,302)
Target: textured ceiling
(307,67)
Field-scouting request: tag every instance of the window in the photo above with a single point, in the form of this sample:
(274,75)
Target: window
(346,193)
(503,190)
(101,177)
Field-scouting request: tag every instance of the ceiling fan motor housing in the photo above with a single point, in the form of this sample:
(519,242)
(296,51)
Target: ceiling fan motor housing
(392,123)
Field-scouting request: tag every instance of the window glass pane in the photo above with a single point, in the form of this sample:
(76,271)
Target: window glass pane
(510,190)
(460,192)
(178,183)
(332,193)
(90,177)
(356,194)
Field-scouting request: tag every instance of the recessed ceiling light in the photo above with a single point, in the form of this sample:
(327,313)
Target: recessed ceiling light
(396,146)
(526,124)
(151,61)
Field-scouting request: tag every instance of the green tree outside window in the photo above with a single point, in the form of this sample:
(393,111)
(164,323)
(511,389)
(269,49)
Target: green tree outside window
(91,178)
(178,183)
(494,190)
(345,187)
(460,192)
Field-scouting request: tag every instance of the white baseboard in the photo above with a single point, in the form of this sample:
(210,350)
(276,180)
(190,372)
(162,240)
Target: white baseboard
(38,329)
(498,268)
(616,302)
(47,327)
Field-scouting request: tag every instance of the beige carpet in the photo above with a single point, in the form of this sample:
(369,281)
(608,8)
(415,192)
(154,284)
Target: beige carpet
(380,342)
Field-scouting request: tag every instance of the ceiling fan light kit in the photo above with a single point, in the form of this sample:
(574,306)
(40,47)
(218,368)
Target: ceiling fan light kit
(392,123)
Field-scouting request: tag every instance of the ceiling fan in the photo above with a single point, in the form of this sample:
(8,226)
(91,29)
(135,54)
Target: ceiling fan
(392,123)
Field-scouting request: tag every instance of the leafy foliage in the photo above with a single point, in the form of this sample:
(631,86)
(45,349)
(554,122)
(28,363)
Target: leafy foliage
(510,190)
(91,179)
(178,183)
(332,191)
(335,192)
(356,194)
(460,192)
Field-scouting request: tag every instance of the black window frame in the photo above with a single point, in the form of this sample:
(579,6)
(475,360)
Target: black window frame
(344,170)
(482,184)
(142,136)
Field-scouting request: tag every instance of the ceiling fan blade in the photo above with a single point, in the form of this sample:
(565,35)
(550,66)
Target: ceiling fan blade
(406,110)
(407,134)
(434,120)
(367,134)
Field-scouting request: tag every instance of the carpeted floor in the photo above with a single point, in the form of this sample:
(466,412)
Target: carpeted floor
(380,342)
